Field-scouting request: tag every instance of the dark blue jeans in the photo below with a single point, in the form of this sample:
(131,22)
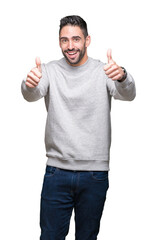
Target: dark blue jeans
(65,190)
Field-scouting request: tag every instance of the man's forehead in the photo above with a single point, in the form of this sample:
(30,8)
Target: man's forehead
(70,31)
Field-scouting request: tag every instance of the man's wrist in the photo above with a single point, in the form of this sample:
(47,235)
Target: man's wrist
(124,76)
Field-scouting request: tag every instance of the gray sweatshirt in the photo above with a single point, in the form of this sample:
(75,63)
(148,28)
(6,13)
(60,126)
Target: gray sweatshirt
(78,103)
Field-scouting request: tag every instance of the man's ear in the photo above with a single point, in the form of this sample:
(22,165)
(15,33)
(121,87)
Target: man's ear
(88,40)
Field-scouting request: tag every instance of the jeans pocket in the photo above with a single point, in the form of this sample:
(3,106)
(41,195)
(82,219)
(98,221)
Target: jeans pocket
(100,175)
(50,171)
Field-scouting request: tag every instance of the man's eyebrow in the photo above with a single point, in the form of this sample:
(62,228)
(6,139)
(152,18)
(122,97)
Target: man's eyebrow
(61,38)
(72,37)
(76,37)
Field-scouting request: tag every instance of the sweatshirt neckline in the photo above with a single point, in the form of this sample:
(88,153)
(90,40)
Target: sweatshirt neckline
(73,68)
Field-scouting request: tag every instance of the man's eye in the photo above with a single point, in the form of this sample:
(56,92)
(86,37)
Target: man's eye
(76,39)
(64,40)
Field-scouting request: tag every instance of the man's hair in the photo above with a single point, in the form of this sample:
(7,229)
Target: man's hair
(74,20)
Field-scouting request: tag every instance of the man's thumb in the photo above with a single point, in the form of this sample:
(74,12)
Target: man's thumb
(109,55)
(38,63)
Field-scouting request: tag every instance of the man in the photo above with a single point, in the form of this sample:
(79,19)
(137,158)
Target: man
(77,91)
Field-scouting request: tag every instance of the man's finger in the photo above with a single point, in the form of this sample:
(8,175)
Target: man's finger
(36,72)
(113,74)
(108,66)
(33,77)
(30,84)
(31,81)
(38,63)
(112,69)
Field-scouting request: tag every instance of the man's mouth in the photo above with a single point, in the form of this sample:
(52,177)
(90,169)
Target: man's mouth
(71,54)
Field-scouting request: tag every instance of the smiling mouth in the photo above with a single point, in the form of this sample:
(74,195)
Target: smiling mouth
(71,54)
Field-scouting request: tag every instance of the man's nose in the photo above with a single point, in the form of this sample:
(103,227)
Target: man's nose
(70,45)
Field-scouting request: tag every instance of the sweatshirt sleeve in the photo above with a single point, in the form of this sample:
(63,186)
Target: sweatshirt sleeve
(122,90)
(34,94)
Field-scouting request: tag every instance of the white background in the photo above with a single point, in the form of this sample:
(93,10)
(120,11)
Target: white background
(30,29)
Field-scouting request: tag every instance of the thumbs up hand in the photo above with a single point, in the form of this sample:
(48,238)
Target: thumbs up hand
(112,70)
(33,77)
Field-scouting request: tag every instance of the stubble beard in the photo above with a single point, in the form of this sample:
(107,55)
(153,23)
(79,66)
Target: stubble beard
(81,55)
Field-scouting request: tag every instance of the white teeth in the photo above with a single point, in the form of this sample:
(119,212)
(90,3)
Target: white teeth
(71,53)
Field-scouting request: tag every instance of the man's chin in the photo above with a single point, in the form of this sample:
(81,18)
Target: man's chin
(72,61)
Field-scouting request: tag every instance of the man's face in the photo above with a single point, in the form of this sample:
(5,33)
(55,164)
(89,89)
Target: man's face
(74,45)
